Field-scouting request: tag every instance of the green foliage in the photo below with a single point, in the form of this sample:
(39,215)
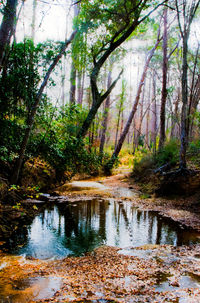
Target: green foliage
(169,154)
(19,84)
(145,161)
(107,20)
(54,139)
(142,163)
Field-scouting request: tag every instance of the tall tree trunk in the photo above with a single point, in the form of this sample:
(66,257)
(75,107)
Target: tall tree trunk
(154,113)
(186,18)
(117,127)
(73,73)
(33,20)
(7,27)
(193,97)
(31,117)
(194,103)
(138,124)
(134,108)
(72,92)
(175,119)
(164,83)
(148,114)
(79,97)
(184,82)
(105,115)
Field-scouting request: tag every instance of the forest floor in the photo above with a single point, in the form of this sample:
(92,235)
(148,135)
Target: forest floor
(153,273)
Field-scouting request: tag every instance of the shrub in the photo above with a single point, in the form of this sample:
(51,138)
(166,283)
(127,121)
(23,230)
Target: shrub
(168,154)
(145,162)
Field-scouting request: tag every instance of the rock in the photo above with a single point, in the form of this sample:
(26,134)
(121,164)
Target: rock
(175,284)
(33,201)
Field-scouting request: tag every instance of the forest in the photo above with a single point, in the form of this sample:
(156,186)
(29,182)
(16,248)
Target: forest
(99,119)
(76,103)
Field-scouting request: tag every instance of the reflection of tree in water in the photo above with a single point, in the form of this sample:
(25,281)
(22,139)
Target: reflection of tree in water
(126,220)
(84,225)
(102,220)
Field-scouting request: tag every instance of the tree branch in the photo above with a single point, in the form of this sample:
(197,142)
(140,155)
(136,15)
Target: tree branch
(104,96)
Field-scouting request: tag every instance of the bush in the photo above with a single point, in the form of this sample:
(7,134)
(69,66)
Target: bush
(168,154)
(145,162)
(142,164)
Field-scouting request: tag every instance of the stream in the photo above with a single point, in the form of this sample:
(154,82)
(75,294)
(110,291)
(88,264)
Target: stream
(65,227)
(73,229)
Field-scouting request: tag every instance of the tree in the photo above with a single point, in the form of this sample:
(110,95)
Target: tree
(105,113)
(31,116)
(73,73)
(164,82)
(119,19)
(135,105)
(7,27)
(185,14)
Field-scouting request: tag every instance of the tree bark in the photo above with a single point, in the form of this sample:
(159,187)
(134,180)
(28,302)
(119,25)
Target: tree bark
(72,93)
(154,113)
(184,81)
(31,117)
(175,118)
(7,27)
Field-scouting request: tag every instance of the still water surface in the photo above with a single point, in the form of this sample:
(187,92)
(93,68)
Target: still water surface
(76,228)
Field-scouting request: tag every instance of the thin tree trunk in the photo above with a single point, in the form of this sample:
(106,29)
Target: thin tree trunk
(164,83)
(30,121)
(148,114)
(72,93)
(33,20)
(184,138)
(175,116)
(79,97)
(154,113)
(138,126)
(117,127)
(105,115)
